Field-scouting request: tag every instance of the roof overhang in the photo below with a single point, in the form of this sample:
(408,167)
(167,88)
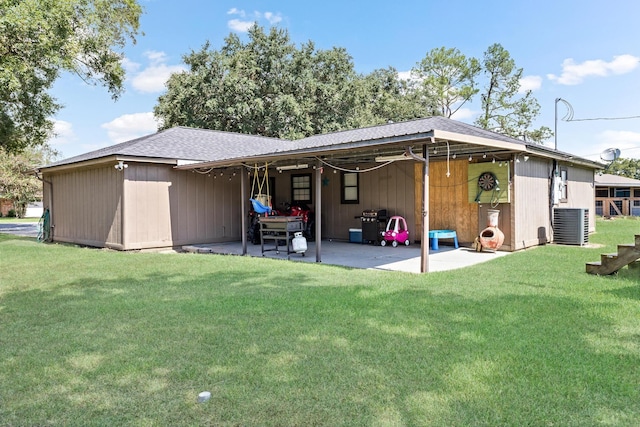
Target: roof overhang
(543,151)
(366,150)
(105,160)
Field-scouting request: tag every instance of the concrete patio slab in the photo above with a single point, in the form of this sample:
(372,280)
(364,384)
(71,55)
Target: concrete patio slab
(366,256)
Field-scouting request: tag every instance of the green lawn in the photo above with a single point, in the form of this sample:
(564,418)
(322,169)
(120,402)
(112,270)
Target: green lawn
(102,338)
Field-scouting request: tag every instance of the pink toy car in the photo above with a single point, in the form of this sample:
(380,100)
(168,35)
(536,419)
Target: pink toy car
(396,232)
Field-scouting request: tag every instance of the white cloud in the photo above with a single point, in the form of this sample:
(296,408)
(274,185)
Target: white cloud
(152,79)
(248,19)
(239,26)
(131,126)
(236,11)
(63,133)
(573,73)
(530,83)
(129,66)
(273,18)
(464,114)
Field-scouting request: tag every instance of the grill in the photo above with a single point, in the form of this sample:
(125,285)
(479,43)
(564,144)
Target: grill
(372,222)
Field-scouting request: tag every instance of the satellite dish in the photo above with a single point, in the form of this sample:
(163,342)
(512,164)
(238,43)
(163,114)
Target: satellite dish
(610,154)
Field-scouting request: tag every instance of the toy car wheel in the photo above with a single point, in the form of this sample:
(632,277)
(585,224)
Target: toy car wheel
(394,243)
(406,242)
(383,243)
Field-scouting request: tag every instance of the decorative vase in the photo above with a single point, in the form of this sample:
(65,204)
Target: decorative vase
(491,237)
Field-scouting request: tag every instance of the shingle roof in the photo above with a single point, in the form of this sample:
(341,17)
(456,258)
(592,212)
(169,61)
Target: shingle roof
(607,179)
(391,130)
(184,143)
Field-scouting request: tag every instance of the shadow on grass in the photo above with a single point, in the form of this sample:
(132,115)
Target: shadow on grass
(280,349)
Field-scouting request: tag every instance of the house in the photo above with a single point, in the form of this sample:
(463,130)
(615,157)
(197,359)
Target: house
(617,195)
(187,186)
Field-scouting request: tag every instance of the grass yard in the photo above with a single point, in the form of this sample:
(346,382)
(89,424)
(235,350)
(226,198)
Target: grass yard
(94,338)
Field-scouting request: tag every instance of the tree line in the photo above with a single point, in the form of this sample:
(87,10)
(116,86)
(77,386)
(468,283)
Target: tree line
(268,86)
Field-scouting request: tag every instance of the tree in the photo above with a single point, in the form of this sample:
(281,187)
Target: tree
(41,38)
(504,109)
(447,78)
(385,97)
(18,182)
(268,86)
(625,167)
(265,86)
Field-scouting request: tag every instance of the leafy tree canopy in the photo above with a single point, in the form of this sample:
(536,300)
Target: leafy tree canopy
(504,108)
(447,77)
(41,38)
(625,167)
(18,182)
(268,86)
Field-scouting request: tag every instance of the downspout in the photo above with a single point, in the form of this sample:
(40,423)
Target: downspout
(44,181)
(122,213)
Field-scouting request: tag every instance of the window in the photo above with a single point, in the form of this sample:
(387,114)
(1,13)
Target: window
(301,188)
(636,192)
(622,192)
(349,188)
(600,192)
(563,184)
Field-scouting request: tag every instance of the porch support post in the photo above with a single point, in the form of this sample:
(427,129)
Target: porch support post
(243,208)
(318,212)
(424,244)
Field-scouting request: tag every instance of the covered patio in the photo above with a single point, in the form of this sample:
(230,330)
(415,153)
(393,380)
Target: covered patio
(415,144)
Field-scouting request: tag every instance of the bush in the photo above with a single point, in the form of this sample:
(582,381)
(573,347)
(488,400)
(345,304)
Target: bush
(11,213)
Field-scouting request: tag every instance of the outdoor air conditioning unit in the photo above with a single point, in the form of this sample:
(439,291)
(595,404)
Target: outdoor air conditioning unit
(571,226)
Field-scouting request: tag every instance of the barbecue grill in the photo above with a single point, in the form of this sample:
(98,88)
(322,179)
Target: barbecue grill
(372,221)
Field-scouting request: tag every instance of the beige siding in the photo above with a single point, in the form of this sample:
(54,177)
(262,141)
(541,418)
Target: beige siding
(581,192)
(531,211)
(162,207)
(86,206)
(167,207)
(532,214)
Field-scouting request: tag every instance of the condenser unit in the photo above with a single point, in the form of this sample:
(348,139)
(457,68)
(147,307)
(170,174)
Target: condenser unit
(571,226)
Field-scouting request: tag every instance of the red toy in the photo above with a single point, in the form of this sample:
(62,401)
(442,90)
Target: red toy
(396,232)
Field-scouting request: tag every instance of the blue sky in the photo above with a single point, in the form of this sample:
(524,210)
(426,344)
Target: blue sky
(586,52)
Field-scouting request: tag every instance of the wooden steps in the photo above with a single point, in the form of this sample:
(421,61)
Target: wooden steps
(628,254)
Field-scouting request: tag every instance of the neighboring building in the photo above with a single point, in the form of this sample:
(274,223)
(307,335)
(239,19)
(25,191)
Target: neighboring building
(617,195)
(188,186)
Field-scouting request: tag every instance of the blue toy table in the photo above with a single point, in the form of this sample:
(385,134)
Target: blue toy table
(434,235)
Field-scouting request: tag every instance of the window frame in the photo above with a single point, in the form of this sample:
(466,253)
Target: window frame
(343,188)
(308,188)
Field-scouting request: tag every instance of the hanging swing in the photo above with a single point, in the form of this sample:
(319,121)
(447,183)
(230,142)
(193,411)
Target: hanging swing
(261,201)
